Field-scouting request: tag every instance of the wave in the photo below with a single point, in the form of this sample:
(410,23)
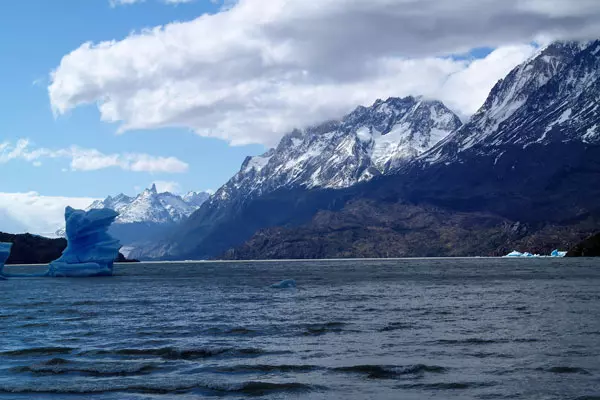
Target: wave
(446,385)
(249,388)
(482,354)
(470,341)
(321,329)
(394,326)
(568,370)
(88,303)
(482,341)
(38,351)
(230,331)
(251,368)
(173,353)
(34,325)
(60,366)
(390,372)
(258,388)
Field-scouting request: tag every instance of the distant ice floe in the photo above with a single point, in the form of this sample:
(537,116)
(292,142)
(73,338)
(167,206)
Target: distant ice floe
(555,253)
(285,284)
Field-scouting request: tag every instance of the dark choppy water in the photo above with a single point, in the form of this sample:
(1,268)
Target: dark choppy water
(410,329)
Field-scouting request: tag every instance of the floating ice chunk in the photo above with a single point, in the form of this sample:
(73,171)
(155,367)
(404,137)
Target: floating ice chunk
(555,253)
(4,254)
(285,284)
(90,251)
(514,254)
(558,253)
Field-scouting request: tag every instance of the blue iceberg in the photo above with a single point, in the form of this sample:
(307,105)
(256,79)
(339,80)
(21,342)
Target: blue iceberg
(285,284)
(4,253)
(90,251)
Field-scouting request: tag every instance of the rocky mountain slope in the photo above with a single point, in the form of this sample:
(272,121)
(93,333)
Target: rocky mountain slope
(590,247)
(523,171)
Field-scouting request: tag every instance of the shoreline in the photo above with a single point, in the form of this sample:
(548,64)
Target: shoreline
(312,259)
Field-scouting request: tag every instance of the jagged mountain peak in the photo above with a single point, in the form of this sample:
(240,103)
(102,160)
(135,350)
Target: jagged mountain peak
(535,101)
(367,142)
(152,206)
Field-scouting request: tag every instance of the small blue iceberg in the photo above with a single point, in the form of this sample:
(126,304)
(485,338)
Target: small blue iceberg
(285,284)
(555,253)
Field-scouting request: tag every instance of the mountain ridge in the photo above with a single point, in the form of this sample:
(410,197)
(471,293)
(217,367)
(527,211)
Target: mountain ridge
(519,161)
(367,142)
(152,206)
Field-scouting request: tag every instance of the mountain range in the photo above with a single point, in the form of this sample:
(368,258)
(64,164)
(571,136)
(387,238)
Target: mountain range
(404,177)
(149,215)
(150,206)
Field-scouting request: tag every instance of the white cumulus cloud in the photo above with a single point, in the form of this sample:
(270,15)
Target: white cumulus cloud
(258,68)
(82,159)
(34,213)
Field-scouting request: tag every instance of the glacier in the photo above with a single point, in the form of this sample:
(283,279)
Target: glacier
(90,250)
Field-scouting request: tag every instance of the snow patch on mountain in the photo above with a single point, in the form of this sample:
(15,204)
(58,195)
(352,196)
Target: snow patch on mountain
(151,206)
(552,96)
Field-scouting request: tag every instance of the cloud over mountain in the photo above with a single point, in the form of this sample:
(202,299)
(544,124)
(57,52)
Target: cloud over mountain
(257,69)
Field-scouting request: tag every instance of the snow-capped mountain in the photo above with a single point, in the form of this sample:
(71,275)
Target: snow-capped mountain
(523,173)
(368,142)
(551,97)
(524,167)
(195,199)
(147,216)
(151,206)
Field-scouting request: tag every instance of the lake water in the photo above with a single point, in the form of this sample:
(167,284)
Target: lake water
(405,329)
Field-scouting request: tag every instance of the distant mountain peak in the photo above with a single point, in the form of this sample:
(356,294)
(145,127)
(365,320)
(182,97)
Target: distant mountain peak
(151,207)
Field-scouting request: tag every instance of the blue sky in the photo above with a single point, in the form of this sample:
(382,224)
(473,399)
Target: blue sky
(98,98)
(38,42)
